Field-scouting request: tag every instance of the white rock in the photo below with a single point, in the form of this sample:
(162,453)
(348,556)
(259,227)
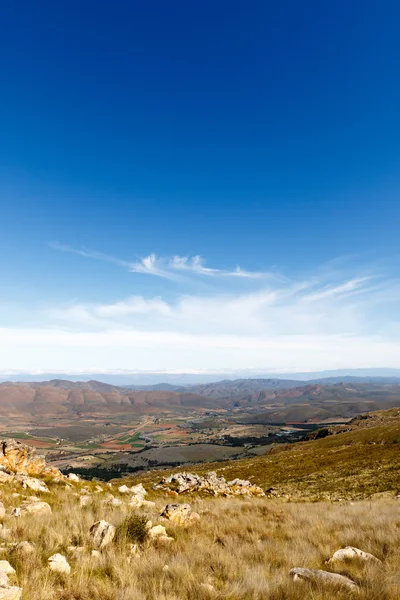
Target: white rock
(3,579)
(16,512)
(114,502)
(59,564)
(32,483)
(323,578)
(6,567)
(138,490)
(159,534)
(102,533)
(123,489)
(351,553)
(35,508)
(85,500)
(73,477)
(5,533)
(24,547)
(11,593)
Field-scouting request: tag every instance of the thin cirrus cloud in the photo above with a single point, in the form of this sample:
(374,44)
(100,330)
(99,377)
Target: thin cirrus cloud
(174,268)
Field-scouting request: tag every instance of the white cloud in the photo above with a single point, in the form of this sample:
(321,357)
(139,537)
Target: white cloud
(331,320)
(165,267)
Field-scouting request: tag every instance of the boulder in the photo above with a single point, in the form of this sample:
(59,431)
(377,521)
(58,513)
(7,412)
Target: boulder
(32,483)
(102,533)
(6,567)
(35,508)
(114,501)
(11,593)
(138,490)
(350,553)
(3,579)
(73,477)
(23,547)
(158,533)
(323,578)
(59,564)
(123,489)
(181,514)
(17,457)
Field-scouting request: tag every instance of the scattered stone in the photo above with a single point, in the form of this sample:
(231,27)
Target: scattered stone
(6,567)
(5,533)
(351,553)
(158,533)
(138,490)
(114,502)
(102,534)
(11,593)
(181,514)
(32,483)
(210,483)
(123,489)
(16,512)
(35,508)
(73,477)
(85,500)
(3,579)
(23,547)
(323,578)
(59,564)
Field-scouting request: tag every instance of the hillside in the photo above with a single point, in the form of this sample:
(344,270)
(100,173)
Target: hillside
(66,539)
(361,460)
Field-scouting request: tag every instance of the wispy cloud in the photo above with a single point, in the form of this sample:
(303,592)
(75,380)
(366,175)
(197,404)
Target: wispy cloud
(174,268)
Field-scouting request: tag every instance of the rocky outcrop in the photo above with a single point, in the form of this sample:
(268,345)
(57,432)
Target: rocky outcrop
(102,534)
(16,457)
(323,578)
(180,514)
(210,483)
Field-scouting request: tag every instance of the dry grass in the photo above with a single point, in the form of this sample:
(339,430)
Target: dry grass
(245,549)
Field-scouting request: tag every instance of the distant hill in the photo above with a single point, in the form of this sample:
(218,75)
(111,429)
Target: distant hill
(253,401)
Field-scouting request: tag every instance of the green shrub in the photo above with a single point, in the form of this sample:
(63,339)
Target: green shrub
(133,529)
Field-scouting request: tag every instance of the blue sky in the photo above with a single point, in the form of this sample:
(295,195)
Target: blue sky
(199,187)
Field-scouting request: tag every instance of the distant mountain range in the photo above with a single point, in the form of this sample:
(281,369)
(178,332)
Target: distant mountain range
(165,379)
(248,400)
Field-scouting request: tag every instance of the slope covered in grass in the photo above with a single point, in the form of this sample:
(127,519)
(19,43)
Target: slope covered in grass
(360,460)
